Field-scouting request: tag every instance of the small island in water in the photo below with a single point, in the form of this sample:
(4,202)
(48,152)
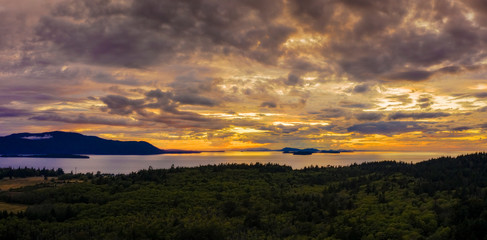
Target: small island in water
(309,151)
(43,156)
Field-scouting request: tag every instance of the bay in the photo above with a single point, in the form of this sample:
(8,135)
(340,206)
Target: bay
(129,163)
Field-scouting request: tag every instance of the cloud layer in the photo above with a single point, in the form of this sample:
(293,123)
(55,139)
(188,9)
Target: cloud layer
(246,73)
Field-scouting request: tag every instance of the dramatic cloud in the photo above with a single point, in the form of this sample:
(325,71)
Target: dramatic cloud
(10,112)
(481,95)
(208,74)
(293,79)
(425,101)
(349,104)
(463,128)
(268,104)
(83,119)
(411,75)
(417,115)
(332,113)
(159,106)
(139,33)
(121,105)
(369,116)
(386,128)
(195,100)
(361,88)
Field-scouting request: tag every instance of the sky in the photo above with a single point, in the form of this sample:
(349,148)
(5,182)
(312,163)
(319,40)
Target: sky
(395,75)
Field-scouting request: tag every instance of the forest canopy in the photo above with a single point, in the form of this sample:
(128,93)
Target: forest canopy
(442,198)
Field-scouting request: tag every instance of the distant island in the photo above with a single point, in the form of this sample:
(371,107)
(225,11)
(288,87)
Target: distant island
(71,145)
(296,151)
(309,151)
(43,156)
(257,150)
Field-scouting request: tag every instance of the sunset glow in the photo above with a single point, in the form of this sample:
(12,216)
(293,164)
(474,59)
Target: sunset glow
(221,75)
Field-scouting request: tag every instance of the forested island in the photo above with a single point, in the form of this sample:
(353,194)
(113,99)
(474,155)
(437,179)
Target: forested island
(442,198)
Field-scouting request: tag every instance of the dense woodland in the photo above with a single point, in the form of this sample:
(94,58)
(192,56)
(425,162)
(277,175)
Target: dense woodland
(442,198)
(29,172)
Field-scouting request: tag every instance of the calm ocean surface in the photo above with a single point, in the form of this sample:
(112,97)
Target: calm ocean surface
(127,164)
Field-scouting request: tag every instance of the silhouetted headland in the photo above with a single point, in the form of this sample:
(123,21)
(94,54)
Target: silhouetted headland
(44,156)
(68,143)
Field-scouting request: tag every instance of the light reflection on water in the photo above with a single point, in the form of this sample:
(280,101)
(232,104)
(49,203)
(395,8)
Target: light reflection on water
(127,164)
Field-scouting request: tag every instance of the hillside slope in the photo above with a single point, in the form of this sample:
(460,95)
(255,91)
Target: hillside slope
(71,143)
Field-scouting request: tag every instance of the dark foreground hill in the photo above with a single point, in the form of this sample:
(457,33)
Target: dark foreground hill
(71,143)
(445,198)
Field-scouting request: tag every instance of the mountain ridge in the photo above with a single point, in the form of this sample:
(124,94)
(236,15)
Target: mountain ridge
(59,142)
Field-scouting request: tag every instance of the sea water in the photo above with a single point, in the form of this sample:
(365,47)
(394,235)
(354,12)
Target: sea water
(132,163)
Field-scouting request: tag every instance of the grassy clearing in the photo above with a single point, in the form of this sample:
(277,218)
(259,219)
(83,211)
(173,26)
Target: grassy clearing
(15,208)
(6,184)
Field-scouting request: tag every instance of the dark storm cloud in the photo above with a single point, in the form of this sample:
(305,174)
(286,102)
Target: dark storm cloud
(386,128)
(190,88)
(12,112)
(462,128)
(102,42)
(312,12)
(34,96)
(121,105)
(450,69)
(421,75)
(293,79)
(349,104)
(139,33)
(191,82)
(191,99)
(327,113)
(481,95)
(404,99)
(302,65)
(103,77)
(411,75)
(369,116)
(425,101)
(269,104)
(361,88)
(417,115)
(163,101)
(368,40)
(168,105)
(83,119)
(380,40)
